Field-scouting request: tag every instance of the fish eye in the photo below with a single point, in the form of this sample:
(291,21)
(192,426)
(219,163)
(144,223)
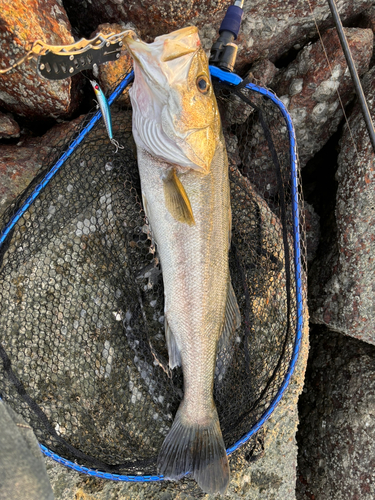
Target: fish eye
(203,84)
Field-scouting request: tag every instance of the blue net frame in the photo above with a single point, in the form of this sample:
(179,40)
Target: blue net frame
(231,79)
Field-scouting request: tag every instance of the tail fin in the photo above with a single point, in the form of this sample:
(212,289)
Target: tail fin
(198,449)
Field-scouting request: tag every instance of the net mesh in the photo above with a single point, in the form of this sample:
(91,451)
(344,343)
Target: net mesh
(81,296)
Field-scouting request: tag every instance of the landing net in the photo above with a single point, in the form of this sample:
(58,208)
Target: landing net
(84,358)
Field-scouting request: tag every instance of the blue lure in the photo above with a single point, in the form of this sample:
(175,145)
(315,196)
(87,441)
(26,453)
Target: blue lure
(104,108)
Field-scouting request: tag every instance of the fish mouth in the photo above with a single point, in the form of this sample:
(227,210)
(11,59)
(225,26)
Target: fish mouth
(166,48)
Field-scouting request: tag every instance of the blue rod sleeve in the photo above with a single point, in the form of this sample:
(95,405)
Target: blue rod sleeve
(232,20)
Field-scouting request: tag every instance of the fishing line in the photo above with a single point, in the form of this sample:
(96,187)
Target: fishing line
(330,69)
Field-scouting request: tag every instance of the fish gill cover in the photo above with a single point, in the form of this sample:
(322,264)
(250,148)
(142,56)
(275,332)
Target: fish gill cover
(84,358)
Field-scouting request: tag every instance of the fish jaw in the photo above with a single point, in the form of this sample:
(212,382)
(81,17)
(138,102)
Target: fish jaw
(175,115)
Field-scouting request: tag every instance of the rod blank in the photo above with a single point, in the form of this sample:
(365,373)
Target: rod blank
(353,72)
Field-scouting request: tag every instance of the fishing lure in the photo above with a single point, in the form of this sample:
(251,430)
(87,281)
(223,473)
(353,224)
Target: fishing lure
(104,108)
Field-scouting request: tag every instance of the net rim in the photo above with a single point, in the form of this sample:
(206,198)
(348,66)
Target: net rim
(231,79)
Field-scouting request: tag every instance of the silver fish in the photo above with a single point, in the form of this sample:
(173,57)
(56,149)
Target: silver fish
(185,188)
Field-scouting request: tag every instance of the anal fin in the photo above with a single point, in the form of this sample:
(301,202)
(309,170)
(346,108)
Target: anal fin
(226,346)
(232,319)
(176,199)
(173,350)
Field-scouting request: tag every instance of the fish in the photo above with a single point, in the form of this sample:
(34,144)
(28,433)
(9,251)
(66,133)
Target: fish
(104,108)
(183,169)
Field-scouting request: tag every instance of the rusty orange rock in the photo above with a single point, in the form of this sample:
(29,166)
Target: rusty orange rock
(22,91)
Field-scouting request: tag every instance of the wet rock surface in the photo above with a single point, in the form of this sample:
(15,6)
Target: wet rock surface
(336,435)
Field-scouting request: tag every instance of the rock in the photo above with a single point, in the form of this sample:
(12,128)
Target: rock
(309,87)
(342,291)
(8,127)
(151,18)
(22,91)
(18,166)
(111,73)
(336,435)
(263,72)
(20,163)
(367,20)
(268,28)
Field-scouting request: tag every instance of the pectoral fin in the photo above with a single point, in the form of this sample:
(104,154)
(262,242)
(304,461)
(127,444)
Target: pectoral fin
(176,199)
(173,350)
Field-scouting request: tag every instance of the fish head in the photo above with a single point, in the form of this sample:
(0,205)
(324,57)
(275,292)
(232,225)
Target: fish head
(175,114)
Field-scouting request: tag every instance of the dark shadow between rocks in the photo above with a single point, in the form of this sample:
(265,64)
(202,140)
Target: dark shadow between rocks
(319,189)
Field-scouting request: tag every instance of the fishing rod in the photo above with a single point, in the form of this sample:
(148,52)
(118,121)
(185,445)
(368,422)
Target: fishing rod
(353,72)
